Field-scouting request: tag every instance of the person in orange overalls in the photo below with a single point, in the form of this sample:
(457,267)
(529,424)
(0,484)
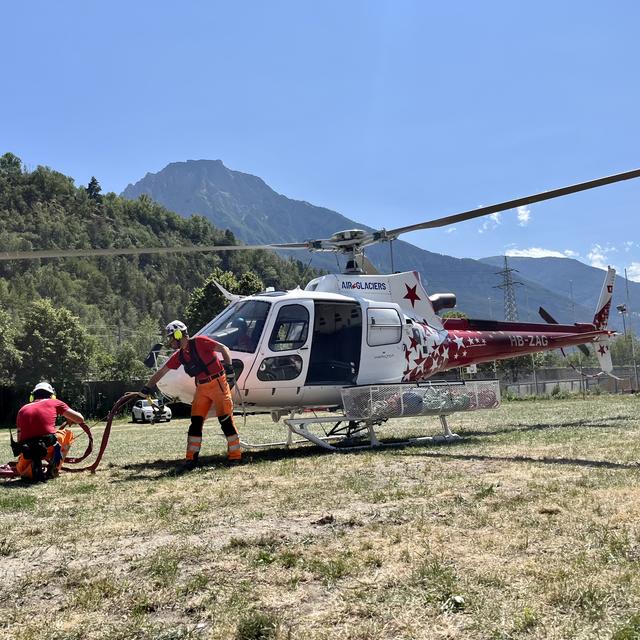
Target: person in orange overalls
(41,446)
(214,381)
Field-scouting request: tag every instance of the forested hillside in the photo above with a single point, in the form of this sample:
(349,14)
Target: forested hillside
(117,300)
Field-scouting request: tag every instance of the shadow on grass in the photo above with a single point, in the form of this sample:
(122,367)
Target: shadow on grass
(601,423)
(578,462)
(171,468)
(18,483)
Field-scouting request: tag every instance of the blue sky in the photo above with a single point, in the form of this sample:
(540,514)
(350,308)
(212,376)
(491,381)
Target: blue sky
(388,112)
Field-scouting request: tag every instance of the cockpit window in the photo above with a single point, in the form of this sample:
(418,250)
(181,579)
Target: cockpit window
(240,326)
(290,329)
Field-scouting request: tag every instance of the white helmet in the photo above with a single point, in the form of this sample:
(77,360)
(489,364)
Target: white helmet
(44,386)
(176,329)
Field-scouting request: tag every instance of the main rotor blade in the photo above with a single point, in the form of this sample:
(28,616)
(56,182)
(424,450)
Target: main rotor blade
(136,251)
(512,204)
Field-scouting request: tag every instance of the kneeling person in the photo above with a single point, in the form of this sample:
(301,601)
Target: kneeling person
(41,446)
(214,381)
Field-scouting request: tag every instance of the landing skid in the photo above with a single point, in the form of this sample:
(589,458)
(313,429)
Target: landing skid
(348,435)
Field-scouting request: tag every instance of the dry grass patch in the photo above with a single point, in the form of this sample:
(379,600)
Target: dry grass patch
(528,528)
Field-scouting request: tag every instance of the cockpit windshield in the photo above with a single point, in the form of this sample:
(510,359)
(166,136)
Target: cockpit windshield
(240,326)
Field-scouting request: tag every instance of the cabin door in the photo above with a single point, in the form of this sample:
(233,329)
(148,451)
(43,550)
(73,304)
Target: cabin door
(282,360)
(336,344)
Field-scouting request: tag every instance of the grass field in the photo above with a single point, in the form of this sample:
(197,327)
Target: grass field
(528,528)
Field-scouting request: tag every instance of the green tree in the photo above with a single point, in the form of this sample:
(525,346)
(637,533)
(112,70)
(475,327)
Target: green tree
(125,365)
(513,368)
(207,301)
(10,164)
(621,349)
(94,189)
(10,358)
(55,347)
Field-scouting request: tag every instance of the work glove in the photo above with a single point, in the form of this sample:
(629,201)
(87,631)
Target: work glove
(230,374)
(148,391)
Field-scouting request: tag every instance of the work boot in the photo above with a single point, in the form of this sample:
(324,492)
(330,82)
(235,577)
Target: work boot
(234,453)
(37,471)
(52,471)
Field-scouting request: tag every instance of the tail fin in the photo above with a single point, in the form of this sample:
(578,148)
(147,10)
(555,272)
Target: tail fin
(600,320)
(601,316)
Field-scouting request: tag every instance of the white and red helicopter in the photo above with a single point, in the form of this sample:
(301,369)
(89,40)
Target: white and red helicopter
(365,345)
(369,345)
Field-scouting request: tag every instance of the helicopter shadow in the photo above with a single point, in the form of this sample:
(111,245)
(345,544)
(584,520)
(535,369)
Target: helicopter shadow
(571,462)
(171,468)
(478,437)
(544,426)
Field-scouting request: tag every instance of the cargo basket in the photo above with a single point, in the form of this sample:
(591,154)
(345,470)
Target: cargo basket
(419,399)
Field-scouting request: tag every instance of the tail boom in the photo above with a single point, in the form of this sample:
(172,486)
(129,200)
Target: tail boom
(485,346)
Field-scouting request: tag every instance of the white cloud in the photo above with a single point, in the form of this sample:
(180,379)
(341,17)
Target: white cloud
(598,255)
(633,271)
(538,252)
(450,230)
(491,222)
(524,215)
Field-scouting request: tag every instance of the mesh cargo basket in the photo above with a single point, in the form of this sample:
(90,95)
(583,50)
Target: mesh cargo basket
(419,399)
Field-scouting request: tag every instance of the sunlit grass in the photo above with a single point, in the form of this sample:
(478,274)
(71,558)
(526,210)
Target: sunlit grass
(526,528)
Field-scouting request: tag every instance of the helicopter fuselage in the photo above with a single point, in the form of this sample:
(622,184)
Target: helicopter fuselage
(298,349)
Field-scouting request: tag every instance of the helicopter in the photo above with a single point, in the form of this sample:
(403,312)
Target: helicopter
(366,346)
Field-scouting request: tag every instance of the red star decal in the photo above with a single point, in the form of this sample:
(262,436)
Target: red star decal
(411,294)
(414,344)
(602,349)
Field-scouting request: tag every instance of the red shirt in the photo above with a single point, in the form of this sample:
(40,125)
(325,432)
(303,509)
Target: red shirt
(206,351)
(39,418)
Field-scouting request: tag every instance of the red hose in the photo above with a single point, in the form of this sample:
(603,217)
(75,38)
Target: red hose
(126,398)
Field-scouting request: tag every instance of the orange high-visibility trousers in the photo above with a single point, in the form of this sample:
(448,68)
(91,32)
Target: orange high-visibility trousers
(64,437)
(215,393)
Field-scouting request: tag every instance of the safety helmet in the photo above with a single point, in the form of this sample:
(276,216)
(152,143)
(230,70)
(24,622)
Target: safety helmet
(176,330)
(43,386)
(42,389)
